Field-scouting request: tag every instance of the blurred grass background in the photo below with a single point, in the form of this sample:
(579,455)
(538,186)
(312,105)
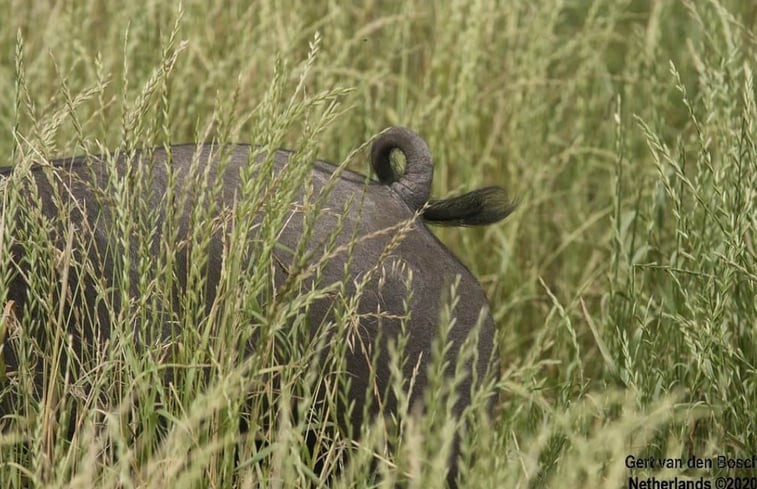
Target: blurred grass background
(624,285)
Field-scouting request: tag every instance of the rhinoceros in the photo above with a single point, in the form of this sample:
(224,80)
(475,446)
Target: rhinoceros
(354,210)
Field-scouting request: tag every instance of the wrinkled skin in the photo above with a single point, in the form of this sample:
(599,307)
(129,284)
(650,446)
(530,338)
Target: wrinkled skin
(384,205)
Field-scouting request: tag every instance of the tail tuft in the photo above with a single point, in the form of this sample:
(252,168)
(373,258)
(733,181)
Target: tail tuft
(477,208)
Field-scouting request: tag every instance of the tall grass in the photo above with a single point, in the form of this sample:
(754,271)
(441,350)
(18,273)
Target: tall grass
(623,288)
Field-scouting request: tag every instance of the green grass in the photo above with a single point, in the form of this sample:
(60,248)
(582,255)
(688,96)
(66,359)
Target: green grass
(623,288)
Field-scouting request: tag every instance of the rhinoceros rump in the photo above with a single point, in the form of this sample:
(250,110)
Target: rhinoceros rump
(374,210)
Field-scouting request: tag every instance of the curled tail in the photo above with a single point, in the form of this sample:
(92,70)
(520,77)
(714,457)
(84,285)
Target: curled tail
(414,186)
(477,208)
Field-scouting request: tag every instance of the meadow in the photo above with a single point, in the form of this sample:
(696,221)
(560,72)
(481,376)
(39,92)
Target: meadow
(624,286)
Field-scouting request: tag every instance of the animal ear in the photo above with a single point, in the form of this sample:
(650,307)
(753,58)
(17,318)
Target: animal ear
(477,208)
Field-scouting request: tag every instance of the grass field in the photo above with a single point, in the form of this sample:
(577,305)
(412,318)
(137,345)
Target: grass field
(624,287)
